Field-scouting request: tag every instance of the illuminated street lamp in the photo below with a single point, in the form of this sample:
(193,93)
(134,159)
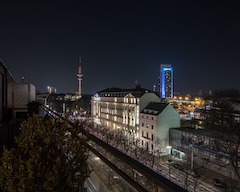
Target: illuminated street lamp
(169,159)
(97,158)
(191,145)
(169,149)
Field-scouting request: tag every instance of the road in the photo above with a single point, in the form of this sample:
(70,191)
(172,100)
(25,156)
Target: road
(104,179)
(162,168)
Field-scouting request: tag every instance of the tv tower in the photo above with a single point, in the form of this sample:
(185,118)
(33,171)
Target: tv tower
(79,76)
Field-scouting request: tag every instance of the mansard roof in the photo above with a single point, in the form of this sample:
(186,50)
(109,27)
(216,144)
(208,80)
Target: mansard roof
(118,92)
(154,108)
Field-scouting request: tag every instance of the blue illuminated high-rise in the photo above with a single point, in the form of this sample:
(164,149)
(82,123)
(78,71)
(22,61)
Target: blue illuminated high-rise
(166,81)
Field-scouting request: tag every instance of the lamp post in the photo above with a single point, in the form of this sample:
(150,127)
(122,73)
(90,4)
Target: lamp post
(169,160)
(169,152)
(191,161)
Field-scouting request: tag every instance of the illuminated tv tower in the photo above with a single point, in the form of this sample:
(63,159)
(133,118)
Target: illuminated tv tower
(79,76)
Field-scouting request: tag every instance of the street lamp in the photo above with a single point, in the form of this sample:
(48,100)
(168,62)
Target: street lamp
(169,159)
(97,158)
(169,151)
(191,145)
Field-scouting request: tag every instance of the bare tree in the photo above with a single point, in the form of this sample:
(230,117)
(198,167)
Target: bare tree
(221,119)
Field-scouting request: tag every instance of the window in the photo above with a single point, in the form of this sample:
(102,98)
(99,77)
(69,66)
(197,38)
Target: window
(142,133)
(147,135)
(147,125)
(142,124)
(152,146)
(152,126)
(152,137)
(152,118)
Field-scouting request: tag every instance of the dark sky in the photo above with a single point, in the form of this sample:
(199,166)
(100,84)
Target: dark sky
(121,41)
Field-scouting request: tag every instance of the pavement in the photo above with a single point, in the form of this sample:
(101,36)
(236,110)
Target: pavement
(208,176)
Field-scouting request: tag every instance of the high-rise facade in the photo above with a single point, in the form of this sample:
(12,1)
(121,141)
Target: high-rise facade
(166,81)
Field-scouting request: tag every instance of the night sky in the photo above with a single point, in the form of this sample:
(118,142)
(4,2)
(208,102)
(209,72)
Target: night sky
(121,41)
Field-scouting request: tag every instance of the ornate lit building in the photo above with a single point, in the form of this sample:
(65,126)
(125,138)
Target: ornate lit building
(117,108)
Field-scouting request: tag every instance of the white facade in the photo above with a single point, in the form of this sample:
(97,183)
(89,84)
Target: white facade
(155,121)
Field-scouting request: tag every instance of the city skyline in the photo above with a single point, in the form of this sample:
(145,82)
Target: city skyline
(121,42)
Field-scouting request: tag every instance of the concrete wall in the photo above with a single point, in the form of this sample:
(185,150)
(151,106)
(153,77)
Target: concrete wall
(22,94)
(167,119)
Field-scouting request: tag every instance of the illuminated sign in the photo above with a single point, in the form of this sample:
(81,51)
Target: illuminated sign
(167,69)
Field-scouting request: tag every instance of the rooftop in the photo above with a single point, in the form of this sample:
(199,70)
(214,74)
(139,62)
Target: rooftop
(154,108)
(137,92)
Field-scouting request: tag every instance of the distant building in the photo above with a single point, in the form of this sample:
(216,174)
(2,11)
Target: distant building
(65,104)
(155,121)
(166,81)
(188,107)
(117,108)
(51,90)
(201,147)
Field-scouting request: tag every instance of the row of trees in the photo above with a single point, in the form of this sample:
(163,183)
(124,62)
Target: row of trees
(130,144)
(224,120)
(48,157)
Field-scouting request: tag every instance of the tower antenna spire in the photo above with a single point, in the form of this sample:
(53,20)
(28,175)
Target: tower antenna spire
(79,76)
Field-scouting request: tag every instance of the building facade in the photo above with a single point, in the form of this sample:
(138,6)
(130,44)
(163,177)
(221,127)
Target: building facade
(117,108)
(14,96)
(155,121)
(201,147)
(6,80)
(166,81)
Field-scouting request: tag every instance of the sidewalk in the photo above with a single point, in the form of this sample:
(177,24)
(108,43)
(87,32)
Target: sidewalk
(208,176)
(227,181)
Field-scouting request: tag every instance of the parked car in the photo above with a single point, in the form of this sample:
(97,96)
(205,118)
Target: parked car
(178,166)
(218,183)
